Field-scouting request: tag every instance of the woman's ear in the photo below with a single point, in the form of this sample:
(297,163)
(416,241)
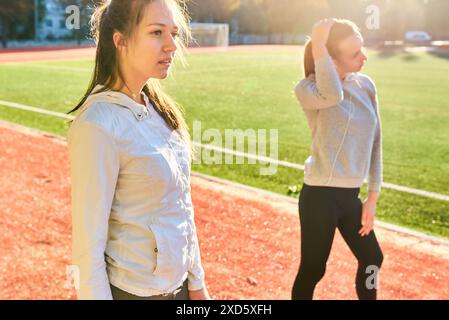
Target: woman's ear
(119,40)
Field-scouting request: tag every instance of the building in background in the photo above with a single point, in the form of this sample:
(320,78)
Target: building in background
(53,24)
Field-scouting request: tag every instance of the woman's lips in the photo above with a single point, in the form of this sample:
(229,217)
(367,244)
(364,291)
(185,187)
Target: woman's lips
(166,62)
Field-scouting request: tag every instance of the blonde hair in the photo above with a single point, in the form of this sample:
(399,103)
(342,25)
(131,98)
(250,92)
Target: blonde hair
(341,29)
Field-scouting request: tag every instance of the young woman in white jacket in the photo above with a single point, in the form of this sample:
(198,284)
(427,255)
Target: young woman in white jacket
(134,234)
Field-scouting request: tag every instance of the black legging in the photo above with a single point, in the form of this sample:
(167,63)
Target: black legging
(321,211)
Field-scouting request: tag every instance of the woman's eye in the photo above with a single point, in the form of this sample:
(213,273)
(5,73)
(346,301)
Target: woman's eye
(175,34)
(157,33)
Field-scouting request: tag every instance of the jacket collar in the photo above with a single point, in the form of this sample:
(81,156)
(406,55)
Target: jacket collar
(140,111)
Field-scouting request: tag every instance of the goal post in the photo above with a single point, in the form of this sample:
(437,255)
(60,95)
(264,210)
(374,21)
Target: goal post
(210,34)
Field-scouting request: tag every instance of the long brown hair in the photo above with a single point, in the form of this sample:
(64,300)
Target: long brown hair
(341,29)
(124,16)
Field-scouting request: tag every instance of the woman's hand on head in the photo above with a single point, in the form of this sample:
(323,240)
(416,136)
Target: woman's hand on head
(320,35)
(321,30)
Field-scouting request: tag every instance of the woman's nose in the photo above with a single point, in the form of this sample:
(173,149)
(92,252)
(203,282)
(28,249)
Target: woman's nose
(170,45)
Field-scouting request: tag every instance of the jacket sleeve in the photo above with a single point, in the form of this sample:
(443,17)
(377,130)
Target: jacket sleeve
(94,167)
(375,170)
(195,276)
(325,90)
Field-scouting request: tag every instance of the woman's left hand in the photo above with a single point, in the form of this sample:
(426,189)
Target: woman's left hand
(200,294)
(368,213)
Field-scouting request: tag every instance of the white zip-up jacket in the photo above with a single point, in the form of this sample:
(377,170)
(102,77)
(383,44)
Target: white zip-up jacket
(132,213)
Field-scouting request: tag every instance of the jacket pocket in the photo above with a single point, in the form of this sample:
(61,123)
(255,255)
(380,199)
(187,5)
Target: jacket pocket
(156,249)
(162,250)
(172,251)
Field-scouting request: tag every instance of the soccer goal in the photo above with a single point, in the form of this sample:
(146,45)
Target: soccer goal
(210,34)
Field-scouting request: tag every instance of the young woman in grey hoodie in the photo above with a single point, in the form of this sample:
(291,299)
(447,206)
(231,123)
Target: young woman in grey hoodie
(341,108)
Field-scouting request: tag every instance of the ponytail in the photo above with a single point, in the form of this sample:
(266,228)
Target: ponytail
(309,62)
(105,55)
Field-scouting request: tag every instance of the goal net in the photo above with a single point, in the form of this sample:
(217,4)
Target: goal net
(210,34)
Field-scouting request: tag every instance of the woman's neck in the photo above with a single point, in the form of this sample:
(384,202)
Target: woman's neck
(131,87)
(133,92)
(342,75)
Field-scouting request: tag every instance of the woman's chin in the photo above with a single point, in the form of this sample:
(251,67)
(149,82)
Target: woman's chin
(161,75)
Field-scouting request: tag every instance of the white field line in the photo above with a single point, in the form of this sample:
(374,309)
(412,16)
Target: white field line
(34,109)
(175,72)
(262,159)
(250,156)
(59,68)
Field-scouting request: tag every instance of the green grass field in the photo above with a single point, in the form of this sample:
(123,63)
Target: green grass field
(255,90)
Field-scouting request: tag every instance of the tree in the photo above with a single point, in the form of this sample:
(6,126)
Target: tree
(13,13)
(279,16)
(437,22)
(212,10)
(251,17)
(286,16)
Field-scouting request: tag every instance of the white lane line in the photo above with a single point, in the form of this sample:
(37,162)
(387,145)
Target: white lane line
(262,159)
(250,156)
(175,72)
(59,68)
(418,192)
(34,109)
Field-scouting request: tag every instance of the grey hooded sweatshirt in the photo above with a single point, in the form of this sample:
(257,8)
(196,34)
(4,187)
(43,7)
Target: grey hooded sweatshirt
(346,128)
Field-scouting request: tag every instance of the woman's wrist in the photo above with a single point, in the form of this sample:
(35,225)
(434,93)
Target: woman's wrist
(372,197)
